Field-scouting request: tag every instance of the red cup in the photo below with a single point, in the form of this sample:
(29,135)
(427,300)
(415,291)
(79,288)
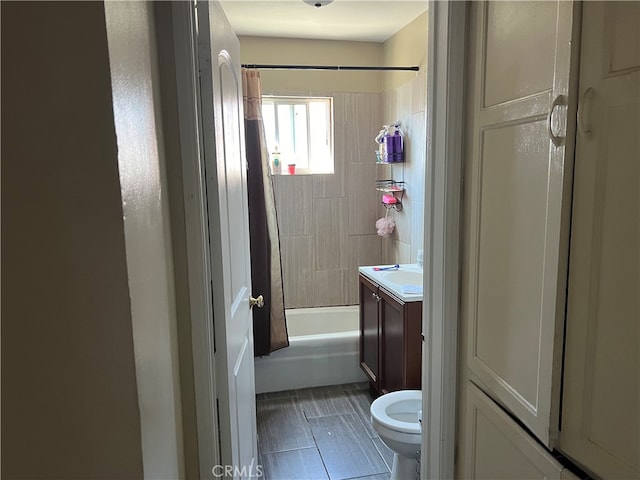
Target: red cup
(292,168)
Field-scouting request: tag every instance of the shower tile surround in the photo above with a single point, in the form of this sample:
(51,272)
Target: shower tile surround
(327,222)
(322,433)
(407,103)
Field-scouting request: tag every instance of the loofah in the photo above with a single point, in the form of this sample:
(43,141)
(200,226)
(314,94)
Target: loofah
(385,226)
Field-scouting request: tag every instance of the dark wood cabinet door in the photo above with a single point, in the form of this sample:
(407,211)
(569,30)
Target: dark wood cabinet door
(413,346)
(393,365)
(369,331)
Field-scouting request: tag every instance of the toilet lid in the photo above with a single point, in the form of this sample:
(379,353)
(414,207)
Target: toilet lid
(399,410)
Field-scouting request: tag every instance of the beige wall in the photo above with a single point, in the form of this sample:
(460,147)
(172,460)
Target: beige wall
(408,47)
(405,100)
(69,401)
(141,161)
(314,52)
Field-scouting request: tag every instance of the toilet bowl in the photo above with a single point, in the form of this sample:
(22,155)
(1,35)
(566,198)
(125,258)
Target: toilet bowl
(396,417)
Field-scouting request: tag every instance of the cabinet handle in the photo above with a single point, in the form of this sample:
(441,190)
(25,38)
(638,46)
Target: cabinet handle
(583,113)
(556,139)
(375,296)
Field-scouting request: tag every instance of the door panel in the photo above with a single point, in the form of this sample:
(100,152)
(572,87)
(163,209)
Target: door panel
(509,311)
(226,184)
(511,29)
(517,205)
(230,90)
(601,403)
(497,447)
(515,167)
(244,379)
(621,37)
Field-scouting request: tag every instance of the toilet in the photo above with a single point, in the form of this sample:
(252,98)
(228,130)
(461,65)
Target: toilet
(396,417)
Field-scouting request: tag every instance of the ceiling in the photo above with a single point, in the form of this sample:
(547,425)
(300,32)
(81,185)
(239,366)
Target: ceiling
(355,20)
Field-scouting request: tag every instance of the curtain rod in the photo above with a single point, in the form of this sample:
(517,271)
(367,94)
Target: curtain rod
(326,67)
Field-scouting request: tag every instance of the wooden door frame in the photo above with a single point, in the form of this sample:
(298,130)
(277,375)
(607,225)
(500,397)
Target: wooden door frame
(443,190)
(442,234)
(196,234)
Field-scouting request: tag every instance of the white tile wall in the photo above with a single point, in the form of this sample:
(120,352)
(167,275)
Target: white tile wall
(408,104)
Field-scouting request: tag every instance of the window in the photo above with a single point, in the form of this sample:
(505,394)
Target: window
(302,130)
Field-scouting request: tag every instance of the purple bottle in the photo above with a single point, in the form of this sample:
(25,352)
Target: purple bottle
(398,152)
(388,148)
(398,147)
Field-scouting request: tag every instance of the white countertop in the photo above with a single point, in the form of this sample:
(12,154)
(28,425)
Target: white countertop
(404,282)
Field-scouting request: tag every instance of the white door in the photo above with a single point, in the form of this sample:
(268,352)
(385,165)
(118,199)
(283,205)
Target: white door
(518,175)
(601,401)
(226,185)
(497,448)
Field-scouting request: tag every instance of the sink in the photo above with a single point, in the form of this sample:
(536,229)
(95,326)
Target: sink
(404,282)
(403,278)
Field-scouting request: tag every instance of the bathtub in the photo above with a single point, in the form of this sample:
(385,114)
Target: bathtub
(323,350)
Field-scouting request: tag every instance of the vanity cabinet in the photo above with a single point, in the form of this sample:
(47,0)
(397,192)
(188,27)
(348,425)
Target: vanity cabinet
(390,338)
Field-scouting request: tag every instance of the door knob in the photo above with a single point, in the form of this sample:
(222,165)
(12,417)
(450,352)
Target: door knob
(258,302)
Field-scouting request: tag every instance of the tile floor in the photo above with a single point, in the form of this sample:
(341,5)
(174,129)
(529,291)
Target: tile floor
(320,433)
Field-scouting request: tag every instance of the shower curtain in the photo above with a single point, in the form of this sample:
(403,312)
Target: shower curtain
(269,323)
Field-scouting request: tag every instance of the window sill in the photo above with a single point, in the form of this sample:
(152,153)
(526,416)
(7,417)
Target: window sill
(299,172)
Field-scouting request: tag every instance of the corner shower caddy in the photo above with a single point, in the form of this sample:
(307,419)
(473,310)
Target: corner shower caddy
(394,188)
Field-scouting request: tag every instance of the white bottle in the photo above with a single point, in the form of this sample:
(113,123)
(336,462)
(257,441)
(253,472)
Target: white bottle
(276,164)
